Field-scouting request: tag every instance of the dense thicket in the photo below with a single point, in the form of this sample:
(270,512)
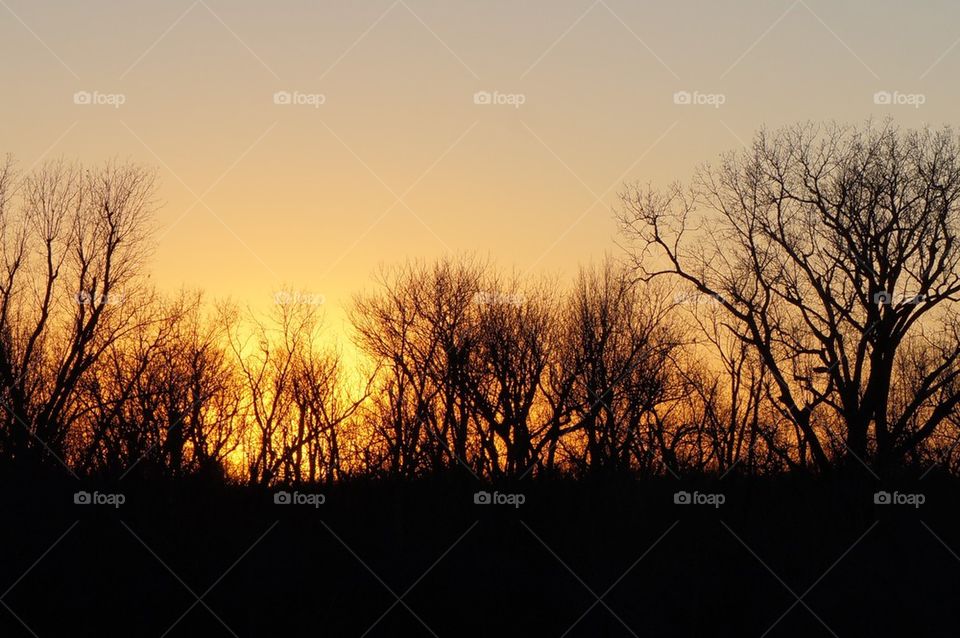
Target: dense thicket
(794,309)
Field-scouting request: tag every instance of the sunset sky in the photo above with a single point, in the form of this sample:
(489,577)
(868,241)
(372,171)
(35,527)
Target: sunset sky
(399,160)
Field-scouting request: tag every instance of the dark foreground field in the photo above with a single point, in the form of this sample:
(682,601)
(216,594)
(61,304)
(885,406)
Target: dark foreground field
(787,556)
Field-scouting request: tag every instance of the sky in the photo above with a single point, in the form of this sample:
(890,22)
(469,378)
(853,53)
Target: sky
(301,144)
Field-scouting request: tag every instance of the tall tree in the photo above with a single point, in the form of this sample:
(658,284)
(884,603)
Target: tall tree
(831,249)
(74,242)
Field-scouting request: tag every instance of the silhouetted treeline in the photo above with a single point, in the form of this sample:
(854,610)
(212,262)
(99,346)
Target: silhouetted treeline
(795,308)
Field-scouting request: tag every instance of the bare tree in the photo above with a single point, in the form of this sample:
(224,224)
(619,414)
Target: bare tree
(615,345)
(723,389)
(295,402)
(516,325)
(74,242)
(829,248)
(420,328)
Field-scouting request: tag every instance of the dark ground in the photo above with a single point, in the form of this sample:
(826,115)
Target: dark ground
(460,569)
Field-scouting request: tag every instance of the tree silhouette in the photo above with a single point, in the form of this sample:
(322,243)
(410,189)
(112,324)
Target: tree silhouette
(794,308)
(74,240)
(833,252)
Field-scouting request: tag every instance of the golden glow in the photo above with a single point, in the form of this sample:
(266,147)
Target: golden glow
(399,160)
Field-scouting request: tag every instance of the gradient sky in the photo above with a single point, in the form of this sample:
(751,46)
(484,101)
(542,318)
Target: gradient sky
(259,196)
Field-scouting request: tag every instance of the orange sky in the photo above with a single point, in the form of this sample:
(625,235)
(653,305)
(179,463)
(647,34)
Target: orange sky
(399,160)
